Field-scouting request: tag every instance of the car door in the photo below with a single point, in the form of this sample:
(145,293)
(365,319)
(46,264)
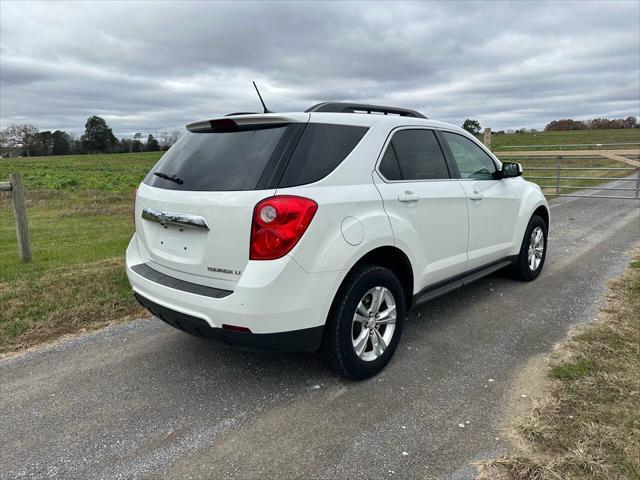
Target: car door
(492,203)
(426,206)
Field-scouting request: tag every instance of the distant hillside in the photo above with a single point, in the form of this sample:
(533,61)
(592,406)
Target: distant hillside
(630,135)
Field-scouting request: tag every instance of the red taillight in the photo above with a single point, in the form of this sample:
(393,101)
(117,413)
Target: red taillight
(278,223)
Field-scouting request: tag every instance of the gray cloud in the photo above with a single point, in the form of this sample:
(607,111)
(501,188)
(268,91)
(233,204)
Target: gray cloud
(158,65)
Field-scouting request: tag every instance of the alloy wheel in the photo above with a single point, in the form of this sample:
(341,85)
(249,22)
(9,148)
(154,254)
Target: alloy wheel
(536,249)
(373,323)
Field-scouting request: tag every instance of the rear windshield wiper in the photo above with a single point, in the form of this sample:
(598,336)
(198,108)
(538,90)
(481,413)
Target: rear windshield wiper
(171,178)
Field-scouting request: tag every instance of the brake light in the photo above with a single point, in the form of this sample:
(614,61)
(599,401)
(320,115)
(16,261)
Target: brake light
(223,125)
(278,223)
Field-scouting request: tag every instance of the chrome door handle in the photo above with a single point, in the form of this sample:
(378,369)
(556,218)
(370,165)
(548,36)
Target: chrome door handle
(476,196)
(408,197)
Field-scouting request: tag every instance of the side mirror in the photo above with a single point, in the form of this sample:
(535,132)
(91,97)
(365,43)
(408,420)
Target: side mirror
(510,169)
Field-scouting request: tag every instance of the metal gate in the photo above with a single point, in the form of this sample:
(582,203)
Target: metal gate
(573,173)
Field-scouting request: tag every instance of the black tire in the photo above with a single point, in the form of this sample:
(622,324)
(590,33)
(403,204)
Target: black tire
(521,268)
(337,347)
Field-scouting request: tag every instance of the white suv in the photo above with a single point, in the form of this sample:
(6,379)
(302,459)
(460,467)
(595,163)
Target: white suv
(321,229)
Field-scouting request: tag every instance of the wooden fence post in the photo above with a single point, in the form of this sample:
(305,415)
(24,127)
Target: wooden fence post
(487,137)
(20,213)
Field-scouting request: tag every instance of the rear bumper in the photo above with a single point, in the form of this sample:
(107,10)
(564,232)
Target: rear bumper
(274,297)
(293,341)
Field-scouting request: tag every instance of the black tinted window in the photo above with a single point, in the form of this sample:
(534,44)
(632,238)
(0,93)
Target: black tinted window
(413,155)
(217,161)
(320,150)
(472,161)
(389,166)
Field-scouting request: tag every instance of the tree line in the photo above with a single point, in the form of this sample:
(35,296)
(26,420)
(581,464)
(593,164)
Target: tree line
(473,126)
(28,141)
(593,124)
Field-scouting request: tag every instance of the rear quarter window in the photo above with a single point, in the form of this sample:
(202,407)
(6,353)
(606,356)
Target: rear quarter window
(322,147)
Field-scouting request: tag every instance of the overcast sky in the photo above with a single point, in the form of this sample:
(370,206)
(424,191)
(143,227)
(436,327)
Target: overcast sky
(158,65)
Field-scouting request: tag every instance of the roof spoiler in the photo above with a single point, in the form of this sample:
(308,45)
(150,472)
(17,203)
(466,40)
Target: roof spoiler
(344,107)
(232,122)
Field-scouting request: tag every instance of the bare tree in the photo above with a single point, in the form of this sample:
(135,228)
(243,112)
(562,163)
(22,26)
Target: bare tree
(168,138)
(5,148)
(19,138)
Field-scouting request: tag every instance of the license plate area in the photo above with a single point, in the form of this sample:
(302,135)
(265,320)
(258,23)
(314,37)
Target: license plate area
(175,242)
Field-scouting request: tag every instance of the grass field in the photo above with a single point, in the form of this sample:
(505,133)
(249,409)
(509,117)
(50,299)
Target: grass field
(588,426)
(503,144)
(79,210)
(498,142)
(117,173)
(545,173)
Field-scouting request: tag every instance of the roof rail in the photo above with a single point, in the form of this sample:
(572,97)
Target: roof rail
(344,107)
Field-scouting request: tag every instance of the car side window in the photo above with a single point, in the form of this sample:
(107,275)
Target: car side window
(472,161)
(414,155)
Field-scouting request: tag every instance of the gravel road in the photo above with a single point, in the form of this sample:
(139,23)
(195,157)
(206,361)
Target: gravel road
(142,400)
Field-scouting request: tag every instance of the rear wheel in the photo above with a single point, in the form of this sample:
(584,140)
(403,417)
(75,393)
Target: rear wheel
(365,322)
(533,251)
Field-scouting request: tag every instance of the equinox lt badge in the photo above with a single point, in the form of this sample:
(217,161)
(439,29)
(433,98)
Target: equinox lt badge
(224,270)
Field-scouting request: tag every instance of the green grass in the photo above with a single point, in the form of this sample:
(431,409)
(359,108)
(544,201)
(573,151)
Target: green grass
(498,142)
(571,370)
(66,228)
(546,167)
(80,218)
(79,210)
(119,173)
(76,280)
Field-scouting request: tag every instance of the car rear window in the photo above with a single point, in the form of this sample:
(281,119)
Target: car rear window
(320,150)
(219,161)
(254,157)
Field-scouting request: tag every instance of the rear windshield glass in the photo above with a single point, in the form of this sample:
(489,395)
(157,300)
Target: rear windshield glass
(320,150)
(217,161)
(254,157)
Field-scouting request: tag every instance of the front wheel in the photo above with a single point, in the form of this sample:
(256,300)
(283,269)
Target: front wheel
(365,323)
(533,251)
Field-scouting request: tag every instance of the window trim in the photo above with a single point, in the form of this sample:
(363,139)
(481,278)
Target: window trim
(276,166)
(451,160)
(452,173)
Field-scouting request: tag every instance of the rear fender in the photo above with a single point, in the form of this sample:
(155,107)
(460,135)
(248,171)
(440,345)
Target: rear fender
(349,222)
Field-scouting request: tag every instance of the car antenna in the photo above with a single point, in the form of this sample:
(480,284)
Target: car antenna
(266,110)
